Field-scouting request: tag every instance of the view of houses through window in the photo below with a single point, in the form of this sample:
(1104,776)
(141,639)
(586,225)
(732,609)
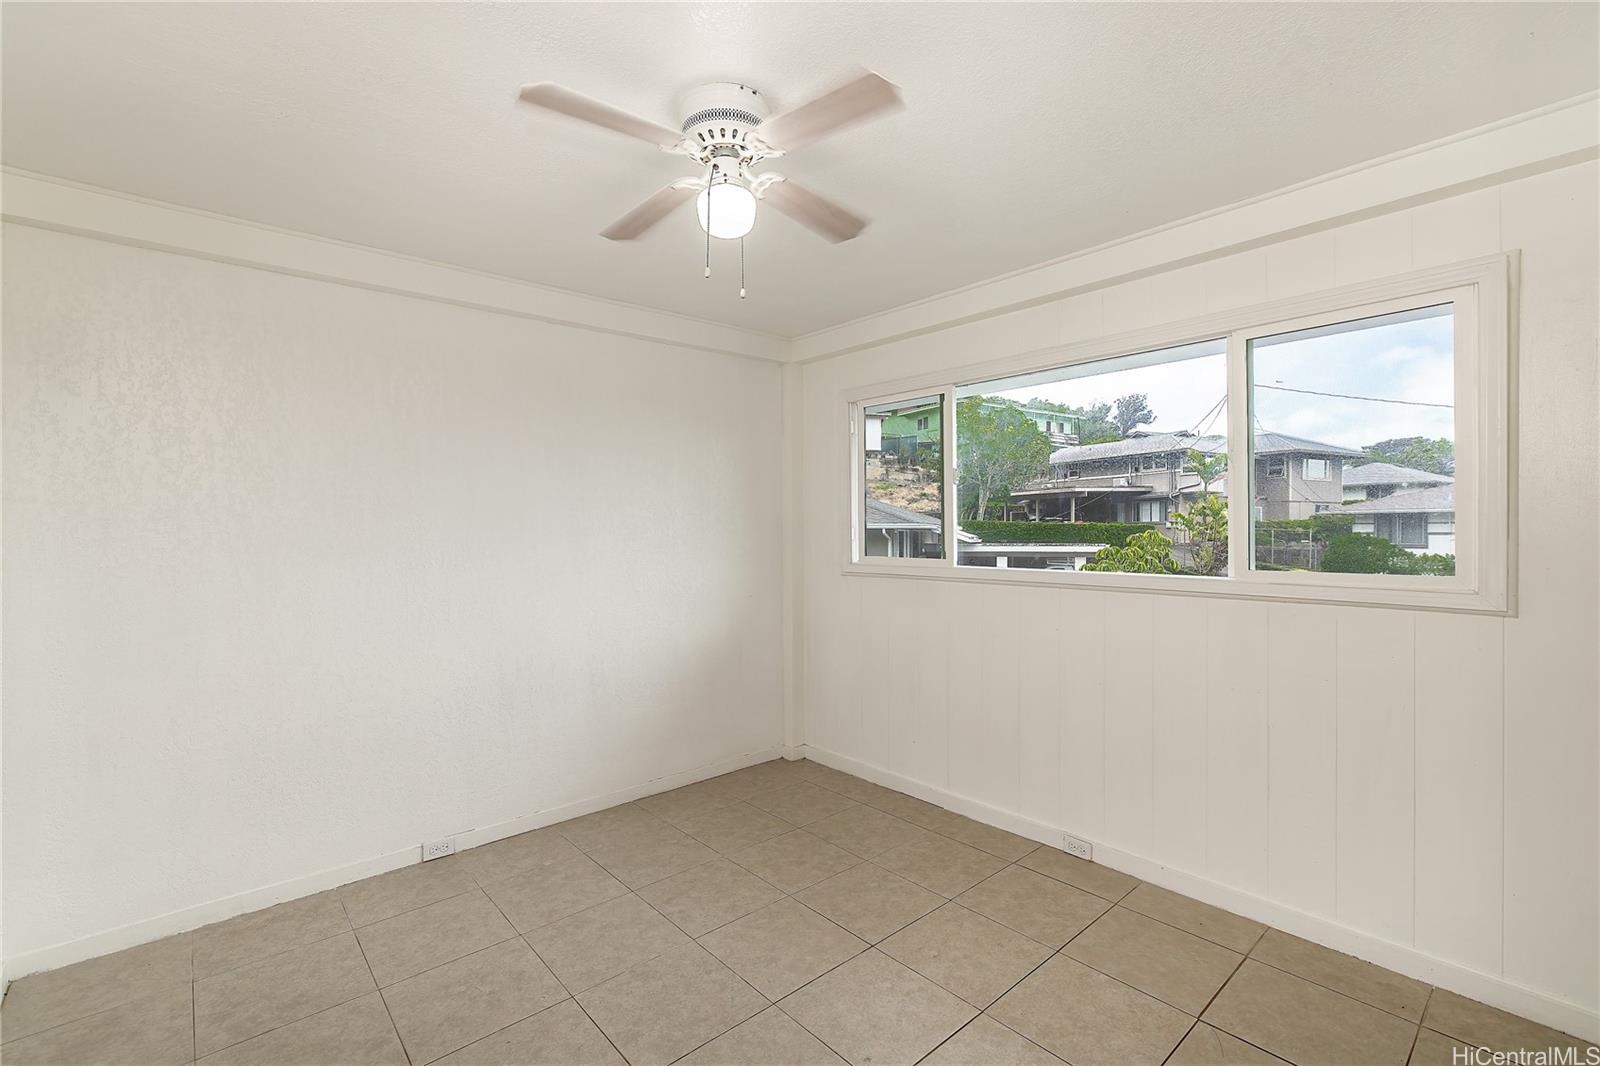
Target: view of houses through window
(1132,483)
(903,474)
(1372,403)
(1121,464)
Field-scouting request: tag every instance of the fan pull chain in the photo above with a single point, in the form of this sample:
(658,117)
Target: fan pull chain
(741,268)
(709,198)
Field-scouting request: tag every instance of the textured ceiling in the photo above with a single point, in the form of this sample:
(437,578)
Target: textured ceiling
(1032,131)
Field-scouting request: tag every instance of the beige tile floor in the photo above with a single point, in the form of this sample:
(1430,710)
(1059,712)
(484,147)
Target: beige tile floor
(785,913)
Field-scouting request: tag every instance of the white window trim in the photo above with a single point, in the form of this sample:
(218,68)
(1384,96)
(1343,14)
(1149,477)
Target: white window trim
(1283,466)
(1482,291)
(1305,469)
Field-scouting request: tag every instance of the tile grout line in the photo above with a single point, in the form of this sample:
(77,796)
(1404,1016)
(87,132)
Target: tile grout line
(570,994)
(377,987)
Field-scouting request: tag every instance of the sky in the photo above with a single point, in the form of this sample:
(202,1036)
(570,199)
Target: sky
(1386,360)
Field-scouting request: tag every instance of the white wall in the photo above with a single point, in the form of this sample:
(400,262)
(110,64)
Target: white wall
(1417,787)
(300,574)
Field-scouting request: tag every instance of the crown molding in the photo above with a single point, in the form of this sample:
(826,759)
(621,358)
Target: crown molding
(1558,135)
(1551,137)
(69,207)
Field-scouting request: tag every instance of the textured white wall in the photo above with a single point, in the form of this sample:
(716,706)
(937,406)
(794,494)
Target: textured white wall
(1421,780)
(297,574)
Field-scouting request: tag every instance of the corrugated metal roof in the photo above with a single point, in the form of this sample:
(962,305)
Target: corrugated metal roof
(887,516)
(1434,499)
(1155,443)
(1390,474)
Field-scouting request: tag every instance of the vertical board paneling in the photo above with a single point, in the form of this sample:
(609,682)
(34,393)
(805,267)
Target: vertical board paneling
(875,684)
(1301,665)
(1237,793)
(1082,644)
(918,739)
(1039,703)
(1458,228)
(995,751)
(1552,810)
(1129,700)
(1377,770)
(967,726)
(1372,248)
(1175,641)
(1304,264)
(1460,792)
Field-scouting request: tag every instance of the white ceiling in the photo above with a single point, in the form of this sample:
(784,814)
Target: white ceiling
(1032,131)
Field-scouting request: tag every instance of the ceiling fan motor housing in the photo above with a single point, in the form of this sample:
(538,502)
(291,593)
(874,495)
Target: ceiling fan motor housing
(722,115)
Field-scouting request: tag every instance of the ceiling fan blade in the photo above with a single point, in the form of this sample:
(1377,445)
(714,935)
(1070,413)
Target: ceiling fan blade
(817,214)
(657,207)
(866,97)
(560,99)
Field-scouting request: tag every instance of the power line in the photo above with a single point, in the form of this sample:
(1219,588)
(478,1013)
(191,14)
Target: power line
(1347,396)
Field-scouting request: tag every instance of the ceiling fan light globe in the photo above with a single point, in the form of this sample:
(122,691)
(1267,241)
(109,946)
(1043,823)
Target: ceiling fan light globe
(731,210)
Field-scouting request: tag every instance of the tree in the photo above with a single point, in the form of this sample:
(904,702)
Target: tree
(996,448)
(1095,425)
(1131,412)
(1206,523)
(1145,553)
(1437,455)
(1207,468)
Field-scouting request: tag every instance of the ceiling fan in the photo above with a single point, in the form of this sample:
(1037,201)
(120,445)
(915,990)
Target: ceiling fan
(727,131)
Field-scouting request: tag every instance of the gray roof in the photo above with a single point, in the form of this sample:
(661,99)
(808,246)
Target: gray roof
(1139,444)
(1154,443)
(1390,474)
(1434,499)
(887,516)
(1279,443)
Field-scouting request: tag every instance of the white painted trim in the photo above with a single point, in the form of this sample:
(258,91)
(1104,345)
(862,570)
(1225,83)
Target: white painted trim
(1546,139)
(1487,988)
(51,203)
(179,921)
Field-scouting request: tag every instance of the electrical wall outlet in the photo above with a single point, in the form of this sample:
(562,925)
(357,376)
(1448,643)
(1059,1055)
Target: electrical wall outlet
(438,849)
(1081,848)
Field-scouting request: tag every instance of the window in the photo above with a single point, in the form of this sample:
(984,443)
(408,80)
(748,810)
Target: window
(1014,508)
(1152,511)
(1376,389)
(902,515)
(1223,463)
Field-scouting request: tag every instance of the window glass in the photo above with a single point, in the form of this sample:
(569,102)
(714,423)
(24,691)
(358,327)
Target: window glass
(1144,445)
(903,513)
(1368,406)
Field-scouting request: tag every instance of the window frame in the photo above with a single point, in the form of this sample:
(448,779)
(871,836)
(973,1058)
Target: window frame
(1305,469)
(1481,291)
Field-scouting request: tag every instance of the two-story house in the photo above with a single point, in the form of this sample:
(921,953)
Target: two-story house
(916,425)
(1145,477)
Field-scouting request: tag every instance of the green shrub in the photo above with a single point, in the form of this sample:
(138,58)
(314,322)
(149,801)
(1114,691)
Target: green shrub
(1363,553)
(1145,553)
(1321,525)
(1114,533)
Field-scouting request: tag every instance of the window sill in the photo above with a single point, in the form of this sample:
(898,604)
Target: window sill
(1391,593)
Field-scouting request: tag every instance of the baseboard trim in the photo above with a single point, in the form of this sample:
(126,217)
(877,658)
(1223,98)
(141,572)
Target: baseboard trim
(187,918)
(1475,984)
